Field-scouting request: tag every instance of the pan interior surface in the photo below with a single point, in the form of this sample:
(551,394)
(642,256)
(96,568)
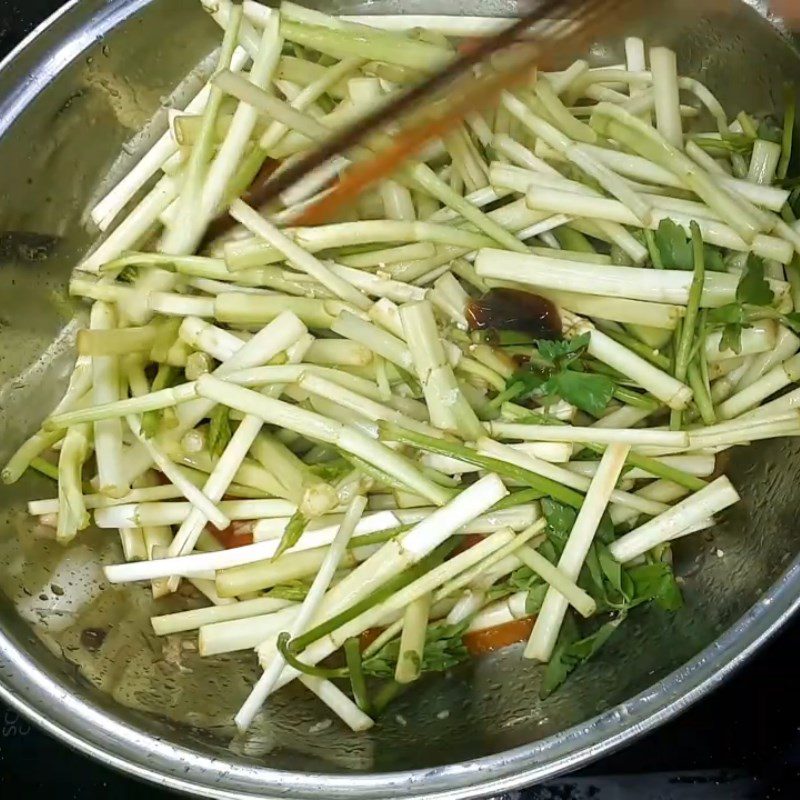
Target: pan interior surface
(74,103)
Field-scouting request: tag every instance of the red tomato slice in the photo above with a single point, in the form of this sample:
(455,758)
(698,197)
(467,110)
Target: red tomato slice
(369,636)
(237,534)
(491,639)
(468,540)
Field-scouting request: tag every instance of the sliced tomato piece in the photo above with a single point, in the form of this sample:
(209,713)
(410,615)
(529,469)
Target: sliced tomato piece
(237,534)
(469,45)
(491,639)
(468,540)
(369,636)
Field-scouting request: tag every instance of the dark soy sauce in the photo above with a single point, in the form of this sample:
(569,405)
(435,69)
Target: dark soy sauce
(514,310)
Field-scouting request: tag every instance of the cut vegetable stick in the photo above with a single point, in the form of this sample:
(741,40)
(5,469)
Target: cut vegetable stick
(316,426)
(760,337)
(786,402)
(116,409)
(698,465)
(555,577)
(663,64)
(77,393)
(201,563)
(305,614)
(548,622)
(623,417)
(613,121)
(716,497)
(106,389)
(72,513)
(772,382)
(146,494)
(182,621)
(562,475)
(197,499)
(229,155)
(297,257)
(229,636)
(362,405)
(669,390)
(373,616)
(786,345)
(288,567)
(144,514)
(516,517)
(323,526)
(379,341)
(232,457)
(447,406)
(662,286)
(500,612)
(412,639)
(569,433)
(557,201)
(338,702)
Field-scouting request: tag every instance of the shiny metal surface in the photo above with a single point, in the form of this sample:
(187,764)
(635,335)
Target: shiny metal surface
(71,100)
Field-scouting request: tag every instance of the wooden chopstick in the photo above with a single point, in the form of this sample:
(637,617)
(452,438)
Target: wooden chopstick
(583,20)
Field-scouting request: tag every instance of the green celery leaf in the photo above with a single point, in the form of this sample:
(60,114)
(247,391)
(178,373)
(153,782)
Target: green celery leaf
(605,530)
(674,245)
(753,287)
(731,314)
(770,130)
(713,258)
(522,579)
(572,651)
(656,582)
(675,248)
(530,380)
(589,392)
(533,603)
(560,518)
(732,320)
(557,351)
(443,650)
(732,338)
(615,577)
(219,431)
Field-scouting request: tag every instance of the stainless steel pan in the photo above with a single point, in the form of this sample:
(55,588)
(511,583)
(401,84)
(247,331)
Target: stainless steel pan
(72,99)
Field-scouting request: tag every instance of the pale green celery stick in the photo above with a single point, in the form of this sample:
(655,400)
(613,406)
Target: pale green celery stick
(412,640)
(561,116)
(115,342)
(315,426)
(374,46)
(77,393)
(616,123)
(72,513)
(682,355)
(429,181)
(183,235)
(447,405)
(314,496)
(249,309)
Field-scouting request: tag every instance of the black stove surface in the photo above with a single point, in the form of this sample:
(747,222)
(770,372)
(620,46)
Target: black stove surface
(741,743)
